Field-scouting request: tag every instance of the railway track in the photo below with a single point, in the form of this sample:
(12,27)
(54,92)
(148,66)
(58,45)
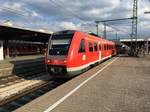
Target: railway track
(15,89)
(18,94)
(23,82)
(20,79)
(7,81)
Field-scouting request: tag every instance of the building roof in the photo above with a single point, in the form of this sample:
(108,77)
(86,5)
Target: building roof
(15,33)
(139,39)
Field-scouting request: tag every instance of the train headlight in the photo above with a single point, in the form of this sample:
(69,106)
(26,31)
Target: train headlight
(48,61)
(64,61)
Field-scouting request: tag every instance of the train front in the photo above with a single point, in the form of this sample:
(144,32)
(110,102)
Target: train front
(57,52)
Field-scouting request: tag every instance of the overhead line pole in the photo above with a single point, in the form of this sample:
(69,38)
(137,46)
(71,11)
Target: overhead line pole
(134,29)
(97,27)
(147,44)
(105,30)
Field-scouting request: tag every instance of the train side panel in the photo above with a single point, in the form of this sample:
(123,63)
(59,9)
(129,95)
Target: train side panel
(77,56)
(81,59)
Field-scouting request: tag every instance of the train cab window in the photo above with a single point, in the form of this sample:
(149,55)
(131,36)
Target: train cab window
(90,47)
(95,46)
(59,43)
(82,46)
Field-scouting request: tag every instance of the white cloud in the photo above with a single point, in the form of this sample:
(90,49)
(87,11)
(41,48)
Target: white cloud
(79,14)
(68,25)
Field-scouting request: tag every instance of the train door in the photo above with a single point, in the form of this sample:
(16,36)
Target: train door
(81,52)
(100,52)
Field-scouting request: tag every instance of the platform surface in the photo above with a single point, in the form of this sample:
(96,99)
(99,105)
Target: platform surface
(10,61)
(121,86)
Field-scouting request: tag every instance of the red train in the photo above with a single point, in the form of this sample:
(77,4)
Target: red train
(72,52)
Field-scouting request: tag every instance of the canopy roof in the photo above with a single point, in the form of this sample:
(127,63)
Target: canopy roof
(14,33)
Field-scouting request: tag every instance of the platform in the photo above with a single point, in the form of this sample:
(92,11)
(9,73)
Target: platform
(11,65)
(8,61)
(117,85)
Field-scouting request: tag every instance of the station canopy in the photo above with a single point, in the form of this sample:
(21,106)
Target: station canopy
(14,33)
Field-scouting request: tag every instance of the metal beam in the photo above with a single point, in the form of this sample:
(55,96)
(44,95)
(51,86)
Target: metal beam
(148,12)
(113,20)
(104,21)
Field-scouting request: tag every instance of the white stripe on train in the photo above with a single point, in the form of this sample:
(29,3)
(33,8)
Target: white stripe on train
(71,69)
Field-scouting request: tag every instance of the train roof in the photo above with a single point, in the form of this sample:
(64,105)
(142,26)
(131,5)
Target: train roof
(91,34)
(64,32)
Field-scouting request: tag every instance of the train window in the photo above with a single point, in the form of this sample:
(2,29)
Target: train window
(82,46)
(90,47)
(99,47)
(105,47)
(59,44)
(95,46)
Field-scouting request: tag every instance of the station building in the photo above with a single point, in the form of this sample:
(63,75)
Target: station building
(16,41)
(141,42)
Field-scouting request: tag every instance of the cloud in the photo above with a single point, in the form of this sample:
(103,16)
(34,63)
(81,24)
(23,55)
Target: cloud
(57,15)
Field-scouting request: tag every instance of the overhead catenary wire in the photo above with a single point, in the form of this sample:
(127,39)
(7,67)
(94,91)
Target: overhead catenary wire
(15,11)
(118,29)
(24,14)
(64,8)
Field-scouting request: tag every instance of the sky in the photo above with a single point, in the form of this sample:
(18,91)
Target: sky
(56,15)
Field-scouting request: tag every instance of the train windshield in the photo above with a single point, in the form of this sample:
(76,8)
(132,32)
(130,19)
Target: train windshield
(59,44)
